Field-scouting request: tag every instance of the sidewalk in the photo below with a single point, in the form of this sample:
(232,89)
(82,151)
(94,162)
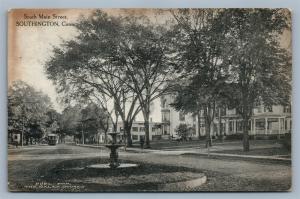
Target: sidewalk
(202,152)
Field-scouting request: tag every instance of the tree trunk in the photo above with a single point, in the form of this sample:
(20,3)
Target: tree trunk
(146,113)
(127,132)
(207,135)
(147,136)
(246,144)
(105,137)
(208,121)
(199,124)
(220,126)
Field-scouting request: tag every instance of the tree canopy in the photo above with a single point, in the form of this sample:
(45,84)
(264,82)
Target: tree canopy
(27,110)
(116,60)
(208,58)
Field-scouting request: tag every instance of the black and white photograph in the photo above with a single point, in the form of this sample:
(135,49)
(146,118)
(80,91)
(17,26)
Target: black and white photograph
(149,100)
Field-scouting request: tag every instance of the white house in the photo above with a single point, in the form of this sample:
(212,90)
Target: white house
(274,121)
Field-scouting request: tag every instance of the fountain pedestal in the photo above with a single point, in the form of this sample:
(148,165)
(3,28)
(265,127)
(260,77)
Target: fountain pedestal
(113,157)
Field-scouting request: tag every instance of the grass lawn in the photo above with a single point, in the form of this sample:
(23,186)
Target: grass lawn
(281,152)
(72,176)
(221,182)
(68,176)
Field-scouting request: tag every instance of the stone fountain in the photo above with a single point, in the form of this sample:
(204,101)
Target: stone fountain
(128,176)
(113,157)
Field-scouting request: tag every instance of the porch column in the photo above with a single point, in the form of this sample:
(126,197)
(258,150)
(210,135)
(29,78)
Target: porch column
(266,125)
(279,125)
(254,126)
(226,126)
(285,130)
(234,126)
(251,128)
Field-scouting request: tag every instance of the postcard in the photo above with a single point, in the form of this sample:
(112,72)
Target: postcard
(149,100)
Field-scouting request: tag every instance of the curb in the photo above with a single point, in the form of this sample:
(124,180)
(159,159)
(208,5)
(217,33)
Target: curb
(246,157)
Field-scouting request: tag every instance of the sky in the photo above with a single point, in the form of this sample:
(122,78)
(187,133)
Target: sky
(31,46)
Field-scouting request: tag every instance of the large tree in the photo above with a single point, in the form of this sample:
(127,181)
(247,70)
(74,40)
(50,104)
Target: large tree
(121,58)
(144,54)
(95,120)
(198,36)
(27,110)
(71,121)
(81,68)
(260,67)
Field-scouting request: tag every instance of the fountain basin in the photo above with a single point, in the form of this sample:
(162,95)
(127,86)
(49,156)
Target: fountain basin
(107,166)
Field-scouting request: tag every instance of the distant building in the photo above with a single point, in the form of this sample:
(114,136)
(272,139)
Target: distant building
(137,132)
(274,121)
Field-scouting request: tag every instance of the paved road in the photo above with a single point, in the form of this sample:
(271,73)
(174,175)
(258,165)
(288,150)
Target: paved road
(23,162)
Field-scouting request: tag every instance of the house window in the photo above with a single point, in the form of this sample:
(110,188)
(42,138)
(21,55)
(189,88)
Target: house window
(230,126)
(249,125)
(259,109)
(222,111)
(135,129)
(164,103)
(239,126)
(181,116)
(142,129)
(260,124)
(193,129)
(268,109)
(135,137)
(287,109)
(153,129)
(165,117)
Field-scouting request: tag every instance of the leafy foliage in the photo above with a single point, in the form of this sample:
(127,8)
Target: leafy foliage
(231,57)
(88,119)
(116,60)
(184,131)
(27,110)
(199,36)
(260,68)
